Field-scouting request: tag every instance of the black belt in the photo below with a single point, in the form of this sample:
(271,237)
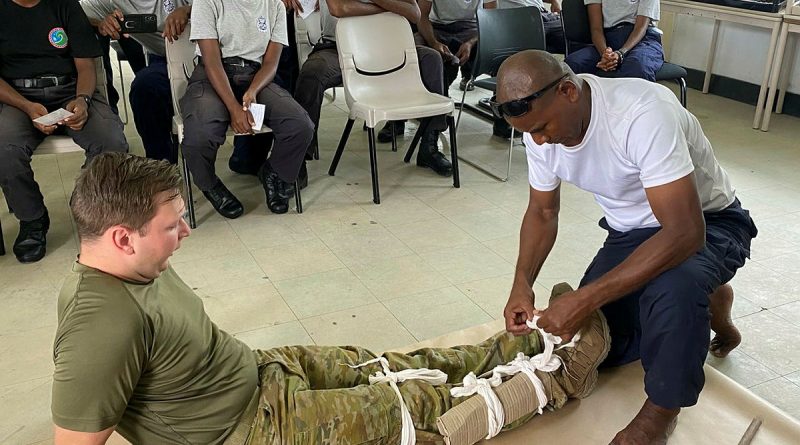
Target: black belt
(238,61)
(43,81)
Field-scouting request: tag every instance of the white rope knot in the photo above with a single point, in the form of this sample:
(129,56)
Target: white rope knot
(545,361)
(483,387)
(433,376)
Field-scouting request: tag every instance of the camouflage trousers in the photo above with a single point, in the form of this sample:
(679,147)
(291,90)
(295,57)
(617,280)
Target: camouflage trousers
(309,394)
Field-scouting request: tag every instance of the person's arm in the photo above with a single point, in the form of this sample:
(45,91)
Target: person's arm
(265,74)
(87,80)
(555,6)
(677,207)
(536,238)
(406,8)
(11,97)
(350,8)
(595,11)
(241,120)
(636,36)
(176,22)
(490,5)
(425,28)
(69,437)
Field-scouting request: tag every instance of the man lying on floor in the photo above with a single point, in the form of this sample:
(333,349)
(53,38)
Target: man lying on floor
(135,352)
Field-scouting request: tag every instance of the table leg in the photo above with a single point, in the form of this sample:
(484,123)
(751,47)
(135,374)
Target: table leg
(712,51)
(786,69)
(773,77)
(762,93)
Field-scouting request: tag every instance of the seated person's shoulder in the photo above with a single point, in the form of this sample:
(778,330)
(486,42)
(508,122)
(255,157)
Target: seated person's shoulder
(92,298)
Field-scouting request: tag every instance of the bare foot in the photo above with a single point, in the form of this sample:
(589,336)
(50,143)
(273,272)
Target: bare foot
(652,426)
(727,336)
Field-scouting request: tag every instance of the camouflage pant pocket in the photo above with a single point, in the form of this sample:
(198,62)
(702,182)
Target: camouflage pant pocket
(360,415)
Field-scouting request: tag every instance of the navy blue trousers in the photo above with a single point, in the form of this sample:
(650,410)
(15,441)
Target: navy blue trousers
(151,103)
(642,61)
(666,323)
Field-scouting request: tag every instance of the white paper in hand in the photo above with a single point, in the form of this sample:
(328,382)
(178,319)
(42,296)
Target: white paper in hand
(257,110)
(308,7)
(54,117)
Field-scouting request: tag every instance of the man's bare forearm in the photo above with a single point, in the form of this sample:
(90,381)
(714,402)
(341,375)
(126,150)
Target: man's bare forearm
(350,8)
(595,12)
(663,251)
(212,63)
(406,8)
(87,78)
(269,66)
(10,96)
(636,36)
(537,236)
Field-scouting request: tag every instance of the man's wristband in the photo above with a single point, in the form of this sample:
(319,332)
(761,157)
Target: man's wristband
(86,98)
(621,53)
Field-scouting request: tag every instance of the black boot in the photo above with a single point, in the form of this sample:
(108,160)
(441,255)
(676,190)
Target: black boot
(430,156)
(223,201)
(385,135)
(277,190)
(31,243)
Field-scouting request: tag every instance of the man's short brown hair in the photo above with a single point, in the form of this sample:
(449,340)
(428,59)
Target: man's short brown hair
(120,189)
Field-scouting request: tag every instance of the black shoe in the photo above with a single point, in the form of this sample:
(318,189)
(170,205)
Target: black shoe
(223,201)
(484,103)
(385,135)
(466,85)
(31,243)
(278,192)
(430,156)
(302,177)
(501,129)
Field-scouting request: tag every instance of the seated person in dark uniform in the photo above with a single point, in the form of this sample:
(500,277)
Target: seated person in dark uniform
(239,47)
(46,63)
(626,41)
(321,71)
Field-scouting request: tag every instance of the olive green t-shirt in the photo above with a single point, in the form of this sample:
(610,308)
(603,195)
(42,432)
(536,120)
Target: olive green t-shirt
(146,358)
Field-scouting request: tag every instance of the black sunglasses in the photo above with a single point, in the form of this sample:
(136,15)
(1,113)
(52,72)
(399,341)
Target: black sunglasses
(518,107)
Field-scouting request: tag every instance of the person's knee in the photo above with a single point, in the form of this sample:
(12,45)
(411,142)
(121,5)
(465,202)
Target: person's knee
(583,61)
(678,299)
(148,86)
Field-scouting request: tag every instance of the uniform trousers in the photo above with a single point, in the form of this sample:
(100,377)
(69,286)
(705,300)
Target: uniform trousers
(19,138)
(666,322)
(206,121)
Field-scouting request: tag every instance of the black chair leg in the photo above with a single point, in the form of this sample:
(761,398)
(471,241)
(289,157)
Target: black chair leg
(316,146)
(187,182)
(423,127)
(340,148)
(454,151)
(394,137)
(682,84)
(2,242)
(297,199)
(373,166)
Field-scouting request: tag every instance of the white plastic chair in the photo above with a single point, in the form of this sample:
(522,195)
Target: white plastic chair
(380,72)
(180,66)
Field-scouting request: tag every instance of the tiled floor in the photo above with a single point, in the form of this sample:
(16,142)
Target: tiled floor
(430,259)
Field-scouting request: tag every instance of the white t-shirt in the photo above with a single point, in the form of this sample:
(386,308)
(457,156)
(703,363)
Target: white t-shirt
(445,12)
(244,28)
(625,11)
(639,136)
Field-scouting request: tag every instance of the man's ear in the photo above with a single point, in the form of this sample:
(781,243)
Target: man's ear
(122,239)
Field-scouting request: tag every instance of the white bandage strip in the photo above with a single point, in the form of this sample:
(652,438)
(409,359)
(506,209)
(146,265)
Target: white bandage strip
(544,361)
(483,387)
(434,376)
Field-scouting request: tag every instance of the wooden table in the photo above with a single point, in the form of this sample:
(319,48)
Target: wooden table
(779,79)
(767,20)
